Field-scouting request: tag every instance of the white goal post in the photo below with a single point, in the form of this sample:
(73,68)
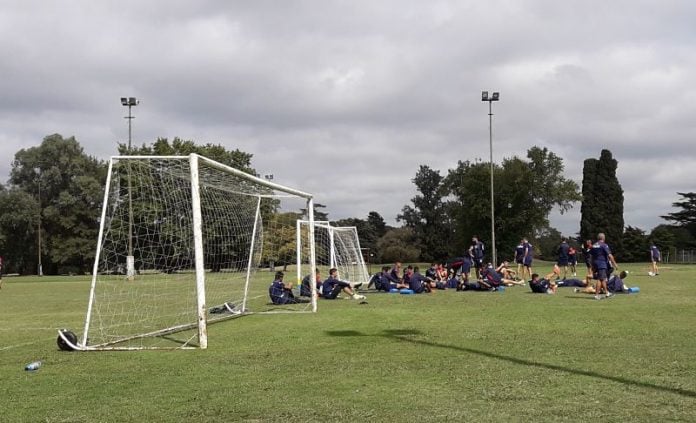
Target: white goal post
(335,247)
(185,241)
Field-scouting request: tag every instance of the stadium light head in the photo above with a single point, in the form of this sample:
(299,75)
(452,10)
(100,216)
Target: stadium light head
(496,96)
(129,101)
(484,96)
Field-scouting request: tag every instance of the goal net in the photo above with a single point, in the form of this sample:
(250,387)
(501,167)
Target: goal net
(185,242)
(335,247)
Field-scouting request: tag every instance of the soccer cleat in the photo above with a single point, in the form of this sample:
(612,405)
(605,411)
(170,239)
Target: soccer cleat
(609,295)
(598,297)
(358,297)
(576,290)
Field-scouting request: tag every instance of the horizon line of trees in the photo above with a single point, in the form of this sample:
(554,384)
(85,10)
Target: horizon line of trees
(56,190)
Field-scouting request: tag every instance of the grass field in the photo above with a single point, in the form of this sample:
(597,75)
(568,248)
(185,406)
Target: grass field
(446,356)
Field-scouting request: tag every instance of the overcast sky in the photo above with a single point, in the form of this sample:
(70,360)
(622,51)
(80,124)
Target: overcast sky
(345,99)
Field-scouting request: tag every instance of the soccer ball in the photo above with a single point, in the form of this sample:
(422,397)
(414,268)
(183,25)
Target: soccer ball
(64,346)
(651,274)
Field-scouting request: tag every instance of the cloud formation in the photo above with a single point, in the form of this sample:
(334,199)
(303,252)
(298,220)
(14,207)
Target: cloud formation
(346,99)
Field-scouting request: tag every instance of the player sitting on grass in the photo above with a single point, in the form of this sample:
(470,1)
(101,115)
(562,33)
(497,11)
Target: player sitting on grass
(281,293)
(381,280)
(419,283)
(333,286)
(492,278)
(543,285)
(306,287)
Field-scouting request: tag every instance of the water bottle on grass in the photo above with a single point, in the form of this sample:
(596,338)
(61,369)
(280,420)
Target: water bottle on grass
(33,366)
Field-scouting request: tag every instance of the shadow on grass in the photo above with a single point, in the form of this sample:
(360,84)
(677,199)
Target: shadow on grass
(407,335)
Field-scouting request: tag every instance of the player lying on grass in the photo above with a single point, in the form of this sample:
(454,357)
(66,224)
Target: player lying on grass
(333,286)
(281,293)
(615,285)
(543,285)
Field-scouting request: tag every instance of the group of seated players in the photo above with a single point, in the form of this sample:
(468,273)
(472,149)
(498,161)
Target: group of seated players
(455,275)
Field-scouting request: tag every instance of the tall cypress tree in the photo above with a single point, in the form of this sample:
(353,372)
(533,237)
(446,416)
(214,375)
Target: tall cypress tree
(602,207)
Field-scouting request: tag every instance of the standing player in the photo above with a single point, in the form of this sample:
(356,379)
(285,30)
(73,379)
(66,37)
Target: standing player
(476,252)
(587,255)
(601,259)
(655,257)
(519,257)
(527,258)
(563,257)
(573,260)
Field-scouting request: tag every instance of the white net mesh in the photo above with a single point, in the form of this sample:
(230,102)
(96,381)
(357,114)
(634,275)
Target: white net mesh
(337,247)
(247,234)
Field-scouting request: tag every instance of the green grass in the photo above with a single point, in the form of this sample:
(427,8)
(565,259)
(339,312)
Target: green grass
(447,356)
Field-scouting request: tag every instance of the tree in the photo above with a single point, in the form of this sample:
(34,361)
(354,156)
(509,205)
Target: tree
(67,186)
(425,217)
(602,206)
(635,245)
(525,193)
(686,217)
(178,147)
(398,245)
(19,212)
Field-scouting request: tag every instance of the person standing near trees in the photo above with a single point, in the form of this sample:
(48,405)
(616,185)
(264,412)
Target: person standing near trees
(655,257)
(476,252)
(563,256)
(602,259)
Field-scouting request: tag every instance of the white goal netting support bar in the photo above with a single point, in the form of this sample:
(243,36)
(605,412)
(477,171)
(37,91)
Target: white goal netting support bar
(185,241)
(335,247)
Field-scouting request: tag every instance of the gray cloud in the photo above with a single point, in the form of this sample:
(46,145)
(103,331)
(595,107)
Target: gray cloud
(347,99)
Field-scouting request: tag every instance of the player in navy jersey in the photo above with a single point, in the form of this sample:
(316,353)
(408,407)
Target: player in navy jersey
(419,283)
(615,284)
(655,257)
(573,260)
(542,285)
(306,286)
(587,255)
(602,259)
(477,252)
(333,286)
(527,258)
(281,293)
(563,257)
(519,256)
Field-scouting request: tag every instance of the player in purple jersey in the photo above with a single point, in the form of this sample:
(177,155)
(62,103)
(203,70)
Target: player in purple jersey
(519,256)
(476,252)
(602,259)
(573,260)
(542,285)
(333,286)
(587,255)
(655,257)
(281,293)
(527,258)
(563,256)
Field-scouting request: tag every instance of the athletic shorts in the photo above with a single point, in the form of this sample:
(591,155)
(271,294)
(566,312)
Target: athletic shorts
(562,262)
(600,275)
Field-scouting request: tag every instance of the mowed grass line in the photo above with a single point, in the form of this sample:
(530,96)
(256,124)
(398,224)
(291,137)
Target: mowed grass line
(448,356)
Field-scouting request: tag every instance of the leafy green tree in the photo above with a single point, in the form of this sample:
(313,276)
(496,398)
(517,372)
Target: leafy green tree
(68,188)
(546,242)
(686,217)
(19,217)
(178,147)
(525,193)
(602,206)
(635,245)
(398,245)
(425,217)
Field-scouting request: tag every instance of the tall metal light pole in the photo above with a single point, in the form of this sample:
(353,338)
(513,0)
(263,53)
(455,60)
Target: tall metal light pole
(494,97)
(38,226)
(130,260)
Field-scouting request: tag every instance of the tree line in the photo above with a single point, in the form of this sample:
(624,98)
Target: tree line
(55,193)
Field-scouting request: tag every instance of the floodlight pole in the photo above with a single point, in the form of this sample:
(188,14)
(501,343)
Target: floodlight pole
(490,100)
(38,227)
(130,102)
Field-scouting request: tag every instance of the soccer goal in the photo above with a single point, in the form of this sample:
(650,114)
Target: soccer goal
(335,247)
(185,242)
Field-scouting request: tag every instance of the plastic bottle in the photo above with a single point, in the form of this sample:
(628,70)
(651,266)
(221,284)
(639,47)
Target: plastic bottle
(33,366)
